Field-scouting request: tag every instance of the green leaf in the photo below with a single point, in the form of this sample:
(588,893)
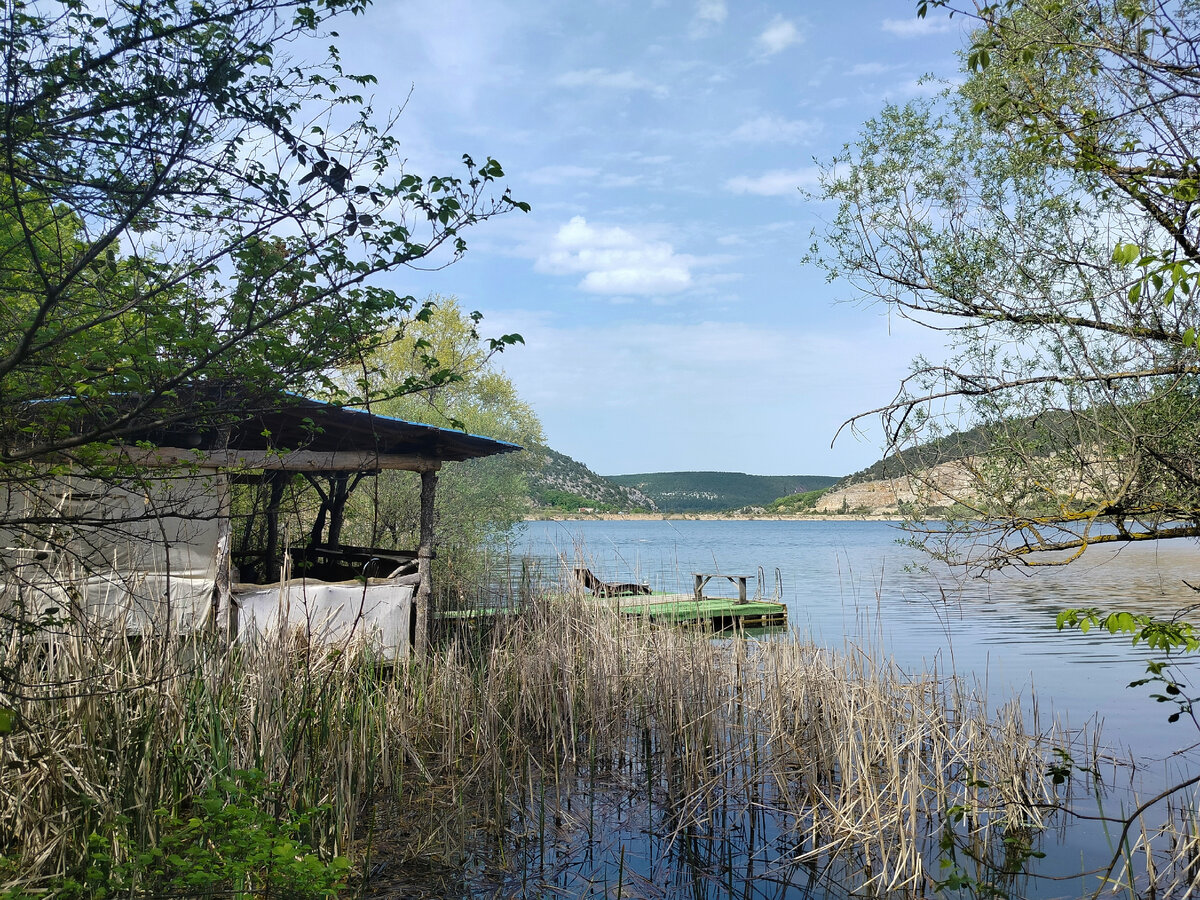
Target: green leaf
(1125,254)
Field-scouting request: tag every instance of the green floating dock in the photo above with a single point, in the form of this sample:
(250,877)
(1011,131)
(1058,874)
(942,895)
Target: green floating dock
(717,613)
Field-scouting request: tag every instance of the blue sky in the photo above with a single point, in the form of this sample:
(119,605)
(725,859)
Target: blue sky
(669,318)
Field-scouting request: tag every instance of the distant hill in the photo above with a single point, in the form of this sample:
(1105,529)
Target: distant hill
(929,478)
(1053,427)
(566,484)
(686,492)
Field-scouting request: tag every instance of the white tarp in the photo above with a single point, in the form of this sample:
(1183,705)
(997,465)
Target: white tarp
(140,551)
(142,555)
(378,610)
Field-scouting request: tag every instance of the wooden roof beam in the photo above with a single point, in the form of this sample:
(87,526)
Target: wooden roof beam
(290,461)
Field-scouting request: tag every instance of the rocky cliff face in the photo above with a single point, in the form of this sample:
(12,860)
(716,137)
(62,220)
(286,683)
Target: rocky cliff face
(941,486)
(1052,479)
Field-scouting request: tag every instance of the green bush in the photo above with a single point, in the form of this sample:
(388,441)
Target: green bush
(798,502)
(225,844)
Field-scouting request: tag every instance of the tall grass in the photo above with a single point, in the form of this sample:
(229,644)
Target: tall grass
(510,755)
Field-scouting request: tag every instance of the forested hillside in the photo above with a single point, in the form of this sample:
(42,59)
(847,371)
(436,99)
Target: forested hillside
(566,484)
(718,491)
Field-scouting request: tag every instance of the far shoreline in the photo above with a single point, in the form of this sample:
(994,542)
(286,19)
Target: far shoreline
(709,517)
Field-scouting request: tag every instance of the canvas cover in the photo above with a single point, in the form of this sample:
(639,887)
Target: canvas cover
(140,551)
(142,555)
(377,611)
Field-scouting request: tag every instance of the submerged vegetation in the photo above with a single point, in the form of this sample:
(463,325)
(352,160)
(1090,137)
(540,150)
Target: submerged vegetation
(561,750)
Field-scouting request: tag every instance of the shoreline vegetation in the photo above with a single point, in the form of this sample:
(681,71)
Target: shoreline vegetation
(556,747)
(546,745)
(561,516)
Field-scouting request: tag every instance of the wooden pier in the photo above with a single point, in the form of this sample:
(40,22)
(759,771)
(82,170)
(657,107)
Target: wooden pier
(714,613)
(717,613)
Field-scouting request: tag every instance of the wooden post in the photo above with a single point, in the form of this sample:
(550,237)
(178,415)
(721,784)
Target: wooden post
(224,612)
(425,561)
(278,482)
(339,492)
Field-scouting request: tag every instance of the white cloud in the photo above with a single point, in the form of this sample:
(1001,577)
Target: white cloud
(777,183)
(614,260)
(871,68)
(709,14)
(775,129)
(914,27)
(779,35)
(624,80)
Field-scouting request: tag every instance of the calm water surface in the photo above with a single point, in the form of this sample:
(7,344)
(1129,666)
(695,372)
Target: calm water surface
(849,581)
(855,583)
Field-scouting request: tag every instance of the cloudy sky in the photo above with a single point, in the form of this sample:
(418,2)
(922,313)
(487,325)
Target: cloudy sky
(670,321)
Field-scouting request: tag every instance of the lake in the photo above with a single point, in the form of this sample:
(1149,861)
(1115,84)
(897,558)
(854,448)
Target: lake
(858,584)
(853,581)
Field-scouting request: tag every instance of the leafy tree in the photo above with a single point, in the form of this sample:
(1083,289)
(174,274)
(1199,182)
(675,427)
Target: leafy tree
(1043,216)
(478,500)
(191,223)
(182,204)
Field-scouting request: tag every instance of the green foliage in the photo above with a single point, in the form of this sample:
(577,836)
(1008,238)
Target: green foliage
(798,502)
(1157,634)
(569,502)
(478,500)
(158,162)
(226,844)
(1166,635)
(1039,214)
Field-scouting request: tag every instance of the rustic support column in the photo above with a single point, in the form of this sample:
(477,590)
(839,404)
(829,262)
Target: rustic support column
(339,493)
(425,562)
(318,529)
(224,613)
(278,482)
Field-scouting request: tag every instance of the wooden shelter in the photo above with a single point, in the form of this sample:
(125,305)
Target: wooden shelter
(165,536)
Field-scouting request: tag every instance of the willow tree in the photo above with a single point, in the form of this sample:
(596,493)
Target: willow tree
(479,500)
(1043,216)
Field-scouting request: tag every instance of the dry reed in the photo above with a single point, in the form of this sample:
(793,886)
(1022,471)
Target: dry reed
(492,754)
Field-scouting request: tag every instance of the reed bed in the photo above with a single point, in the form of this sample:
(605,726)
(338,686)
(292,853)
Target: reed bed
(509,760)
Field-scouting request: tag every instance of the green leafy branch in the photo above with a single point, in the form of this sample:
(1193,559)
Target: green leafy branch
(1168,635)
